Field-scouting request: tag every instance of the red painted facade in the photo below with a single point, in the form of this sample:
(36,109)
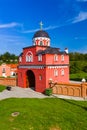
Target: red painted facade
(40,63)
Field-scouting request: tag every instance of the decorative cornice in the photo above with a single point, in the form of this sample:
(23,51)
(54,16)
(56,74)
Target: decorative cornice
(43,66)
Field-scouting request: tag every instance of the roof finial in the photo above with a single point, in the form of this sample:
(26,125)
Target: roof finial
(41,24)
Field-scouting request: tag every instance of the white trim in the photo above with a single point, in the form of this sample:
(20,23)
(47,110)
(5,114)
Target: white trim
(55,67)
(62,57)
(39,57)
(55,57)
(29,58)
(62,72)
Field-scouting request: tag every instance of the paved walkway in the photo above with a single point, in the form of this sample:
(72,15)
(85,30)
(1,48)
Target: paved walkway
(18,92)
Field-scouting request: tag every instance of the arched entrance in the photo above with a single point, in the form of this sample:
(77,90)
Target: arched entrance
(30,79)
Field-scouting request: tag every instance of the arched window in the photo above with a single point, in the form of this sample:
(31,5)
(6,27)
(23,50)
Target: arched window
(40,77)
(20,59)
(29,56)
(55,57)
(55,72)
(62,57)
(41,43)
(62,72)
(39,57)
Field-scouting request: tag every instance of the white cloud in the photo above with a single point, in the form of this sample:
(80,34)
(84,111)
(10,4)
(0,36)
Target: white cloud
(30,31)
(9,25)
(51,27)
(46,28)
(82,0)
(81,17)
(80,38)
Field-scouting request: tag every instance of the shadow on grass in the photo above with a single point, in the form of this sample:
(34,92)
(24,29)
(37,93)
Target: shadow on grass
(71,102)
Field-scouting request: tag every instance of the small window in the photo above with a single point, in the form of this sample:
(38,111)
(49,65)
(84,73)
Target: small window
(39,57)
(62,72)
(41,43)
(40,77)
(62,57)
(20,59)
(55,72)
(55,57)
(3,70)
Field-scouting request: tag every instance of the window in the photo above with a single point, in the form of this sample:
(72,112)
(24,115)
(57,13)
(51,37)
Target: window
(55,72)
(3,70)
(39,57)
(20,59)
(55,57)
(29,57)
(62,72)
(41,43)
(40,77)
(62,57)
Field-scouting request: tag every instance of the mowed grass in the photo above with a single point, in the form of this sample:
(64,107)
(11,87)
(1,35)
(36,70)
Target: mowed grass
(2,87)
(43,114)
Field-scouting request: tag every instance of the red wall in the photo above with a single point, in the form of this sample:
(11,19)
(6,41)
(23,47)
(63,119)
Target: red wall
(46,72)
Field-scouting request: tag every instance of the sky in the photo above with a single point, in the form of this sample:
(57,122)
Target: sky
(64,20)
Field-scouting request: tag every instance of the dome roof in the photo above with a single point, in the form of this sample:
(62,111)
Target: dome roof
(41,33)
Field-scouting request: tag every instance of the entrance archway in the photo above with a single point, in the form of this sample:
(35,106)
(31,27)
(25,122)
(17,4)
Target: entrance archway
(30,79)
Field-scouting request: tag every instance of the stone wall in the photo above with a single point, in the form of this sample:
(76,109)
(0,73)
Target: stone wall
(70,89)
(8,81)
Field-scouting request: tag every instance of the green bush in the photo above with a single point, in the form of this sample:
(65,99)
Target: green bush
(48,91)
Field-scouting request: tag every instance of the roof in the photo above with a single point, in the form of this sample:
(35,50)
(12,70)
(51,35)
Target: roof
(51,50)
(12,65)
(41,33)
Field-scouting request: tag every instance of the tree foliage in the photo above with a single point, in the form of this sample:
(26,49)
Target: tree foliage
(8,58)
(78,62)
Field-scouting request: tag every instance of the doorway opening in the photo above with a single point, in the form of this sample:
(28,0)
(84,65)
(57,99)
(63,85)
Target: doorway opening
(30,79)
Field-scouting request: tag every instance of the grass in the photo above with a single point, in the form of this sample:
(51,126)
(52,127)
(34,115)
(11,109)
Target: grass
(2,87)
(78,76)
(43,114)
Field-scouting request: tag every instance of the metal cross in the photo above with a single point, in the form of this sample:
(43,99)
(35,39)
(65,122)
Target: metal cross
(41,24)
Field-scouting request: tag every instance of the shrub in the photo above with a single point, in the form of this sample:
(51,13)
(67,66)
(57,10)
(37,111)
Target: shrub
(48,91)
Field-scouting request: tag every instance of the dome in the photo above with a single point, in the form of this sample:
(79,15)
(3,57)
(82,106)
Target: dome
(41,33)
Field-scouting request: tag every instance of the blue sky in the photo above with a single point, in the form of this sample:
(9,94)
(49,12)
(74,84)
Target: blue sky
(64,20)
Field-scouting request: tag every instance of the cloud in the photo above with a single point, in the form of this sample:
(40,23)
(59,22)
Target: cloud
(80,38)
(30,31)
(81,17)
(82,0)
(51,27)
(46,28)
(9,25)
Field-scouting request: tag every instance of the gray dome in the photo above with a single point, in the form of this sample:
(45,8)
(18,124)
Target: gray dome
(41,33)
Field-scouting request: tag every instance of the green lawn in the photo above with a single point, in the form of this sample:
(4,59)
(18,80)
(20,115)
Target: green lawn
(43,114)
(2,87)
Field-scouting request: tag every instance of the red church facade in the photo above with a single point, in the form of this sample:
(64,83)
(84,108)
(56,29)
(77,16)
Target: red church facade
(40,63)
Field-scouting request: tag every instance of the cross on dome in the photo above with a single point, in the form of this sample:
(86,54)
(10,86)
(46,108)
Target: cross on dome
(41,24)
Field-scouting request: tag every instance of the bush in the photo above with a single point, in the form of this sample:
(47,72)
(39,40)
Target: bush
(48,91)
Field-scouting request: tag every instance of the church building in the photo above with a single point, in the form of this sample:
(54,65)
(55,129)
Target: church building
(40,63)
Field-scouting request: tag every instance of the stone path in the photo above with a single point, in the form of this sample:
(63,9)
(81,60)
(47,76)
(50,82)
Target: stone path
(18,92)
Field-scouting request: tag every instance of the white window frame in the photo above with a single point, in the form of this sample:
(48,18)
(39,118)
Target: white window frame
(55,57)
(20,59)
(39,57)
(29,56)
(62,72)
(55,72)
(62,57)
(40,77)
